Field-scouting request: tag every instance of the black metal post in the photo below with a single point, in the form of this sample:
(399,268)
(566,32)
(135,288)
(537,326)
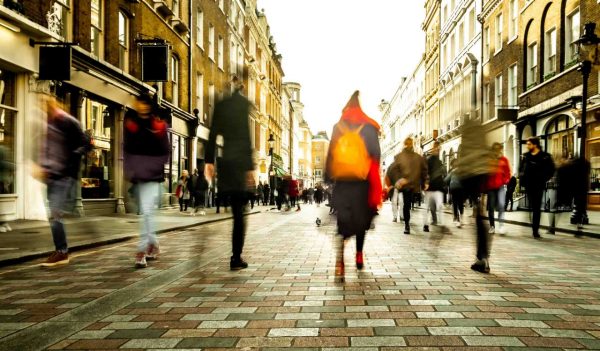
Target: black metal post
(580,214)
(272,180)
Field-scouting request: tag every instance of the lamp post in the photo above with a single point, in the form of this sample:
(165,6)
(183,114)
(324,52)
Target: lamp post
(272,173)
(587,48)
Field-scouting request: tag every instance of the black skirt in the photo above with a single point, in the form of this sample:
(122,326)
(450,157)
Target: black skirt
(350,199)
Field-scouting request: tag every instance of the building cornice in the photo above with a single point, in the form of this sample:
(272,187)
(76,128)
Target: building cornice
(488,8)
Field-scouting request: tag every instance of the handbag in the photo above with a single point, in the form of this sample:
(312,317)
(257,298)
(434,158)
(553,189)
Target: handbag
(178,191)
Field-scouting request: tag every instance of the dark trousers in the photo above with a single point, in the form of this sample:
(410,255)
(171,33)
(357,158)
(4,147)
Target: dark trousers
(237,201)
(199,199)
(458,203)
(509,198)
(408,197)
(183,204)
(360,241)
(473,187)
(534,195)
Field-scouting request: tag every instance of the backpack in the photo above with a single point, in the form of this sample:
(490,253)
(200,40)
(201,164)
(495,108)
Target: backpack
(350,158)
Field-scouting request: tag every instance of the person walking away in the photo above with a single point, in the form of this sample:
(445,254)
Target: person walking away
(536,169)
(183,192)
(147,148)
(456,193)
(251,189)
(260,194)
(266,194)
(294,192)
(397,204)
(311,195)
(65,144)
(499,178)
(353,163)
(230,120)
(198,187)
(434,194)
(473,169)
(319,193)
(408,174)
(510,193)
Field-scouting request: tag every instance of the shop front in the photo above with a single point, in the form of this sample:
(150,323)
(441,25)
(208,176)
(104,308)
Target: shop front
(593,154)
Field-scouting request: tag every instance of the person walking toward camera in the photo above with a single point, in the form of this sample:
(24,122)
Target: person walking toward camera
(499,178)
(353,163)
(434,194)
(146,144)
(236,167)
(183,191)
(536,169)
(457,194)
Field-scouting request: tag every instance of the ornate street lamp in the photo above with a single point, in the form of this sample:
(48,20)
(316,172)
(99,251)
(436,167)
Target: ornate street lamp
(587,48)
(272,173)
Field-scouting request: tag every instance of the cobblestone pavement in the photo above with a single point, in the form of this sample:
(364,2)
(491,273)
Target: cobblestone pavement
(416,292)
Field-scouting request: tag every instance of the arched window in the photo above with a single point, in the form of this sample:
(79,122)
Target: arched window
(560,136)
(530,64)
(570,30)
(548,62)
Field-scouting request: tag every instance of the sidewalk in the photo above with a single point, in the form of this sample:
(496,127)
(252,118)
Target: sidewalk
(33,239)
(563,221)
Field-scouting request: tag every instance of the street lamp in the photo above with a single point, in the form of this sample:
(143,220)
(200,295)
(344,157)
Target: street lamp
(272,173)
(587,48)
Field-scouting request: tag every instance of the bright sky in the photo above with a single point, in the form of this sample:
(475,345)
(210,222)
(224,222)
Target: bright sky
(333,47)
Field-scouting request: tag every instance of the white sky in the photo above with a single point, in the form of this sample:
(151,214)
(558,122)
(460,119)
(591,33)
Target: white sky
(333,47)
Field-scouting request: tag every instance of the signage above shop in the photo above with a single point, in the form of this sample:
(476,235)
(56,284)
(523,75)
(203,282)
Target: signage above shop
(155,63)
(55,63)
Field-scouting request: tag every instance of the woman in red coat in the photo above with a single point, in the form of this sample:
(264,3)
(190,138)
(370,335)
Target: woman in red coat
(294,192)
(496,187)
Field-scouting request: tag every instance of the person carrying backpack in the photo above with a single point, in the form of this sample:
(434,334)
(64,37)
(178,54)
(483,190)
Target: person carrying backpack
(353,164)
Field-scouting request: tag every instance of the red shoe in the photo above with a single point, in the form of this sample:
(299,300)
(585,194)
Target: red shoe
(359,260)
(152,252)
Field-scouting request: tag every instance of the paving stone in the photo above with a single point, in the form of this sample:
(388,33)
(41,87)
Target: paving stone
(371,323)
(400,331)
(296,316)
(346,332)
(320,341)
(136,334)
(564,333)
(492,341)
(222,324)
(507,331)
(150,343)
(206,342)
(205,317)
(91,334)
(128,325)
(522,323)
(551,342)
(434,341)
(378,341)
(454,331)
(264,342)
(99,344)
(471,322)
(441,315)
(278,332)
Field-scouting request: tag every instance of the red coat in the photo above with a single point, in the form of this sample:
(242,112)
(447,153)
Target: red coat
(294,190)
(500,174)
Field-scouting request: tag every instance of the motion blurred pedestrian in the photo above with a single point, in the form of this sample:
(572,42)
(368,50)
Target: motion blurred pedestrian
(230,121)
(65,144)
(537,168)
(456,193)
(434,193)
(408,174)
(497,181)
(7,168)
(266,194)
(510,193)
(198,188)
(294,192)
(319,194)
(183,191)
(353,163)
(474,159)
(146,144)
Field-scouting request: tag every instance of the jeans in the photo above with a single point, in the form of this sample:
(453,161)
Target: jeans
(148,199)
(496,200)
(60,200)
(534,195)
(397,202)
(472,187)
(433,203)
(238,200)
(408,197)
(458,204)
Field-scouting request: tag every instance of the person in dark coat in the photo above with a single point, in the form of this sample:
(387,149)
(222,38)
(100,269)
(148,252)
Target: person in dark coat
(356,201)
(510,192)
(198,187)
(536,169)
(266,194)
(231,122)
(65,144)
(146,145)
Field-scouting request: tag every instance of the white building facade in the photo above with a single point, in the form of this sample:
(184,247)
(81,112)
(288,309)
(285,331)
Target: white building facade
(460,82)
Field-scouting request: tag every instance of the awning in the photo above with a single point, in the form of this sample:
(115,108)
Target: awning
(280,172)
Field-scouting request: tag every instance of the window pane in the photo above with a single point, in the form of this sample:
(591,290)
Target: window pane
(122,29)
(7,151)
(7,88)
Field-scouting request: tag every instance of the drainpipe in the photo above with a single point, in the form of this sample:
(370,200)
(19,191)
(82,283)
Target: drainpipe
(193,138)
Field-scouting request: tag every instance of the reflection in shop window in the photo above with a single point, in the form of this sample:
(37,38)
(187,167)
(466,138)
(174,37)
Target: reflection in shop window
(7,132)
(97,181)
(594,155)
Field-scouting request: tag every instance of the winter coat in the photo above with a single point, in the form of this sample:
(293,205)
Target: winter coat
(230,120)
(294,189)
(410,166)
(198,183)
(453,180)
(536,170)
(183,192)
(146,144)
(436,172)
(500,173)
(65,144)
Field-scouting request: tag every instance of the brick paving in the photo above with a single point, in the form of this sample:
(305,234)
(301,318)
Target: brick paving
(415,293)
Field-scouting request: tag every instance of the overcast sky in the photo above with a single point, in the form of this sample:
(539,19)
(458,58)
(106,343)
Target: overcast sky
(333,47)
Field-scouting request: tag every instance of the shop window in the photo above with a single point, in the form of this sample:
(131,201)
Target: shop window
(123,41)
(7,132)
(97,180)
(560,138)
